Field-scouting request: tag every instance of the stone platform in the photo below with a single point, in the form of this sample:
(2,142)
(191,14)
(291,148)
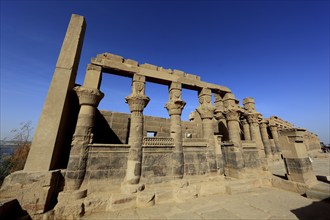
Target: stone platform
(258,203)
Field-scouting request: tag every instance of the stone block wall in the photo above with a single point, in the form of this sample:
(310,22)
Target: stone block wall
(107,162)
(195,160)
(113,127)
(156,164)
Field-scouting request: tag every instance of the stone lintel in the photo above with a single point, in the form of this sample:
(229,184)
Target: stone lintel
(153,73)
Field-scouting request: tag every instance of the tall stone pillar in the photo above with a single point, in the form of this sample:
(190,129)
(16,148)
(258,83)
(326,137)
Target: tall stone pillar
(253,118)
(206,111)
(220,117)
(265,138)
(232,151)
(246,130)
(89,99)
(49,138)
(233,127)
(232,116)
(273,130)
(174,107)
(137,101)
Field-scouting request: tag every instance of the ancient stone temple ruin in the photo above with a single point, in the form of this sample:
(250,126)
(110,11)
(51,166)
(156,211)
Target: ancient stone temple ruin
(84,159)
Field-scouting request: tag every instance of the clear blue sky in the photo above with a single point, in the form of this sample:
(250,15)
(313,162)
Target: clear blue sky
(274,51)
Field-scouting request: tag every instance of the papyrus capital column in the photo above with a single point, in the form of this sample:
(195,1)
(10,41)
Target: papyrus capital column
(232,117)
(88,100)
(206,111)
(174,107)
(253,118)
(137,101)
(265,137)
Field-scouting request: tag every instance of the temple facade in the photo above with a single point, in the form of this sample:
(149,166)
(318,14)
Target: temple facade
(78,147)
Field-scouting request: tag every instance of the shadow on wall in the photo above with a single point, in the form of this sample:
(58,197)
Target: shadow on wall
(103,133)
(316,210)
(223,131)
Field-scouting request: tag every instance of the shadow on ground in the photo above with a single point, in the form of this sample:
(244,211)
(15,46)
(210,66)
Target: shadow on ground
(318,210)
(322,179)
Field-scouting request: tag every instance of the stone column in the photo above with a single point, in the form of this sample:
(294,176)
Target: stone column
(246,130)
(265,138)
(220,117)
(232,116)
(49,138)
(253,120)
(174,107)
(232,151)
(273,146)
(206,111)
(137,101)
(89,99)
(273,130)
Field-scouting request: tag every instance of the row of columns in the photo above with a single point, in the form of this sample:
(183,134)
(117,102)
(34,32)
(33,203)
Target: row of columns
(225,110)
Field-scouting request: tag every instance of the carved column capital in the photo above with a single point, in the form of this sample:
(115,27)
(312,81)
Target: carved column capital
(88,96)
(273,127)
(253,118)
(249,105)
(175,107)
(205,109)
(244,121)
(232,115)
(137,103)
(263,124)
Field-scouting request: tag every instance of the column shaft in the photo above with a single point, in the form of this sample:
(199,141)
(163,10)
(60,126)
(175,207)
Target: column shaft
(137,101)
(265,139)
(206,111)
(88,100)
(246,130)
(273,130)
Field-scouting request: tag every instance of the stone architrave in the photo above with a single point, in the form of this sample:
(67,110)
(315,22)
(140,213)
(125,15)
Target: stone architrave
(48,142)
(89,99)
(174,107)
(206,111)
(137,101)
(265,137)
(274,131)
(246,130)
